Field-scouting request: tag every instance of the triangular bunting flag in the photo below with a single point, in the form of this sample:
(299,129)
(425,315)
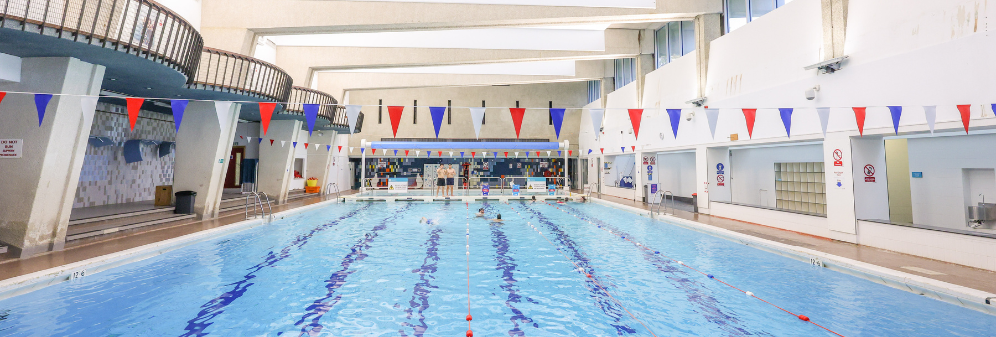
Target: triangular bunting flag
(406,153)
(242,137)
(2,95)
(328,148)
(602,150)
(712,115)
(260,141)
(352,112)
(305,146)
(506,154)
(559,153)
(527,154)
(178,106)
(589,151)
(966,115)
(596,121)
(675,115)
(472,154)
(440,153)
(496,155)
(477,114)
(134,106)
(373,151)
(89,106)
(635,115)
(310,115)
(897,114)
(224,114)
(416,152)
(41,103)
(537,153)
(395,113)
(558,119)
(859,117)
(294,144)
(437,114)
(634,148)
(622,149)
(516,154)
(786,114)
(749,115)
(451,154)
(824,119)
(571,152)
(517,114)
(395,152)
(340,148)
(271,142)
(265,114)
(351,149)
(461,154)
(284,142)
(363,150)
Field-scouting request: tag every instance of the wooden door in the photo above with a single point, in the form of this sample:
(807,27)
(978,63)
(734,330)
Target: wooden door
(233,178)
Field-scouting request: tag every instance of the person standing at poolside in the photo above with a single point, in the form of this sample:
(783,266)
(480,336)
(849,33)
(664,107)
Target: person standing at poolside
(451,174)
(440,180)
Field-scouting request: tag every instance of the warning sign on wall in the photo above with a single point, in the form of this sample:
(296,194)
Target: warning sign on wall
(10,148)
(869,173)
(838,157)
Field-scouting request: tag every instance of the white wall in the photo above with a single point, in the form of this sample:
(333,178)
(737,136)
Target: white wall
(675,172)
(938,198)
(245,130)
(300,153)
(753,169)
(190,10)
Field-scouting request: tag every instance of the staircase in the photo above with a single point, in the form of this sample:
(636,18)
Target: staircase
(88,227)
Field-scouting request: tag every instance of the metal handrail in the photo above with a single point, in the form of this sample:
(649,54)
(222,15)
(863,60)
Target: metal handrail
(329,109)
(142,28)
(258,203)
(328,190)
(223,71)
(656,207)
(268,206)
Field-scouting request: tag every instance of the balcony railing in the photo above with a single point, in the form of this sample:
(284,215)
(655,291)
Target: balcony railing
(242,75)
(139,27)
(330,110)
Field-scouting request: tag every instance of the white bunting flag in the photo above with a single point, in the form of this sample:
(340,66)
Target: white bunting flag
(477,114)
(89,106)
(248,139)
(516,155)
(712,115)
(416,153)
(224,114)
(596,120)
(548,153)
(352,111)
(451,154)
(282,143)
(485,154)
(930,111)
(350,149)
(824,119)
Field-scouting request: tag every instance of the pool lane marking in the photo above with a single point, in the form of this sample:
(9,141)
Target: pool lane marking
(470,332)
(320,306)
(423,288)
(593,280)
(216,306)
(508,266)
(710,276)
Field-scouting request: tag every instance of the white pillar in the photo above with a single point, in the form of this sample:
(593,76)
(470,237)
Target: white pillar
(203,147)
(840,186)
(39,187)
(638,176)
(702,178)
(276,161)
(320,158)
(363,164)
(567,167)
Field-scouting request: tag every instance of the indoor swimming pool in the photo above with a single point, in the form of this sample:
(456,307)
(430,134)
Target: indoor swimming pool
(376,269)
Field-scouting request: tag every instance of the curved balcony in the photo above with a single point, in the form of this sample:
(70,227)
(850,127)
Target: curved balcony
(231,73)
(142,44)
(333,114)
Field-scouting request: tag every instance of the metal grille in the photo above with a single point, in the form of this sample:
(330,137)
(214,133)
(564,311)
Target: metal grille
(330,110)
(139,27)
(243,75)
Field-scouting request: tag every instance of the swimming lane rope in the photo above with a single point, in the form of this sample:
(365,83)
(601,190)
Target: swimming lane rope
(710,276)
(470,333)
(593,280)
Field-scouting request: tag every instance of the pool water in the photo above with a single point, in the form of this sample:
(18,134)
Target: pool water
(373,269)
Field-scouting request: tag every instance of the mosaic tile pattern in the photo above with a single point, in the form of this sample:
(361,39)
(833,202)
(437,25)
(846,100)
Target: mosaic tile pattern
(106,178)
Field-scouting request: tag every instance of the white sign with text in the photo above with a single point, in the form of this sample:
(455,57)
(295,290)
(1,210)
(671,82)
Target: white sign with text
(10,148)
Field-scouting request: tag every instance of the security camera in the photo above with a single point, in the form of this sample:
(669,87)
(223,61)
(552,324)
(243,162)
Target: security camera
(690,115)
(811,93)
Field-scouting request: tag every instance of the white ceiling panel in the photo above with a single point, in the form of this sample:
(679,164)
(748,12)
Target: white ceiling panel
(561,38)
(559,3)
(538,68)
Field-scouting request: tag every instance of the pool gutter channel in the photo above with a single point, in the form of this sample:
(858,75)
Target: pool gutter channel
(30,282)
(939,290)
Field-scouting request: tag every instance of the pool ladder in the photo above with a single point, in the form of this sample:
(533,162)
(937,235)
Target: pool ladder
(256,198)
(656,208)
(328,190)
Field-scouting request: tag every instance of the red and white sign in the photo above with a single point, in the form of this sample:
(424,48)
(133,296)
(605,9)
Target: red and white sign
(10,148)
(646,160)
(720,180)
(838,158)
(869,173)
(653,160)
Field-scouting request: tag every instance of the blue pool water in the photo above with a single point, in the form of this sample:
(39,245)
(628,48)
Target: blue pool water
(374,270)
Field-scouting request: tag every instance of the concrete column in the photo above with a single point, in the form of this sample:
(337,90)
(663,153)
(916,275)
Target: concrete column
(717,164)
(638,176)
(319,159)
(708,27)
(840,182)
(203,147)
(702,177)
(275,161)
(39,187)
(644,65)
(834,27)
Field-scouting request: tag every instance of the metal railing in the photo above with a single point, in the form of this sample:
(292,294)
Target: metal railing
(257,204)
(329,110)
(464,186)
(142,28)
(655,208)
(328,190)
(223,71)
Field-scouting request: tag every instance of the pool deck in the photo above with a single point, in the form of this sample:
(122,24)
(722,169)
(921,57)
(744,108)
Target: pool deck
(79,250)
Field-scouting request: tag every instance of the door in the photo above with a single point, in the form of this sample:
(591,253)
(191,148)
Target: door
(233,178)
(599,170)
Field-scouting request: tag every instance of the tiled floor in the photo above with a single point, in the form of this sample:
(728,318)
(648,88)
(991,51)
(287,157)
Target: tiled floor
(83,249)
(948,272)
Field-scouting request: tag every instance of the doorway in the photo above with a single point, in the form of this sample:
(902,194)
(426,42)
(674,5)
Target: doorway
(233,178)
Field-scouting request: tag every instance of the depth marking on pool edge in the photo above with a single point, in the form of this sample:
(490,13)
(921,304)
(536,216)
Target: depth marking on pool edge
(216,306)
(508,266)
(710,276)
(320,306)
(609,307)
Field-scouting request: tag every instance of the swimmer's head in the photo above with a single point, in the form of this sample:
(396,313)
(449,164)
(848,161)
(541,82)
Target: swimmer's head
(499,216)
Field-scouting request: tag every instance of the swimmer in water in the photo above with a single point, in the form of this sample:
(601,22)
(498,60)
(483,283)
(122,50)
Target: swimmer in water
(428,221)
(480,213)
(534,198)
(497,219)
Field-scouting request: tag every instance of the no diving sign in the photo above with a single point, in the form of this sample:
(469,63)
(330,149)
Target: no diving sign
(10,148)
(869,173)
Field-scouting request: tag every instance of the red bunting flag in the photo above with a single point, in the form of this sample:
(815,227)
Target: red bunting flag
(373,151)
(305,146)
(635,115)
(472,154)
(749,115)
(406,153)
(537,153)
(859,117)
(271,142)
(395,112)
(2,94)
(634,148)
(134,105)
(265,112)
(570,152)
(517,114)
(966,115)
(602,150)
(440,153)
(340,148)
(506,154)
(242,137)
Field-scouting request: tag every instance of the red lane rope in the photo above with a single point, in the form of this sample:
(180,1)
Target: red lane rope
(593,280)
(470,333)
(710,276)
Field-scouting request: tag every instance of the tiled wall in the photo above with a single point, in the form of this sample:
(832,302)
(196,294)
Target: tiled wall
(106,178)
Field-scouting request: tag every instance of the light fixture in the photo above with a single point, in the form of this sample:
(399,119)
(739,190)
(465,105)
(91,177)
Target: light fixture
(829,66)
(698,102)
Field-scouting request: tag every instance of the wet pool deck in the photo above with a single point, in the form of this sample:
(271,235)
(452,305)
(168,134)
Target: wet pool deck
(79,250)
